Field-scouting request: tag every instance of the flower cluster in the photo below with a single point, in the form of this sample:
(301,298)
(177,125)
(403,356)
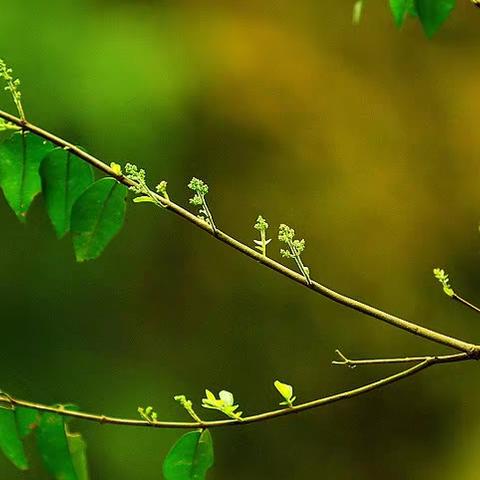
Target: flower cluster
(136,175)
(12,86)
(287,235)
(200,188)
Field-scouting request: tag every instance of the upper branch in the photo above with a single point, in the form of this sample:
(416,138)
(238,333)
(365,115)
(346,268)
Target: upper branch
(434,336)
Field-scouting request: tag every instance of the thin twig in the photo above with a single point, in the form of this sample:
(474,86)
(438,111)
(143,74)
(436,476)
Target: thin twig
(227,423)
(437,337)
(457,357)
(458,298)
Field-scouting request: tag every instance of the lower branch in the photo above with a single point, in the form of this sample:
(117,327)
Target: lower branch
(425,363)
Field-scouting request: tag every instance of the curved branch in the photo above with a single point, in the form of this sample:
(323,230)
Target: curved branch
(230,423)
(434,336)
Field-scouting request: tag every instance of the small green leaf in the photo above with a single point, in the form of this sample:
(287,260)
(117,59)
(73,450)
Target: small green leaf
(144,199)
(97,216)
(27,420)
(10,442)
(64,178)
(20,158)
(433,13)
(63,453)
(286,391)
(190,457)
(209,394)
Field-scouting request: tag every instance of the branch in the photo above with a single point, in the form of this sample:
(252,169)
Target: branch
(428,362)
(471,349)
(458,357)
(461,300)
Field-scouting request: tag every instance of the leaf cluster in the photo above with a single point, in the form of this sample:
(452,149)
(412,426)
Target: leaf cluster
(92,211)
(63,452)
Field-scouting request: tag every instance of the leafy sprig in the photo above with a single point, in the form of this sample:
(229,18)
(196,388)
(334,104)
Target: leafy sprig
(188,406)
(262,226)
(286,391)
(141,188)
(7,126)
(224,403)
(442,276)
(148,414)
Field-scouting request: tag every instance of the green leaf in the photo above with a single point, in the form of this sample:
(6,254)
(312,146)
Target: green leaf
(10,442)
(63,453)
(285,390)
(144,199)
(97,216)
(77,447)
(20,158)
(190,457)
(433,13)
(27,420)
(399,10)
(64,178)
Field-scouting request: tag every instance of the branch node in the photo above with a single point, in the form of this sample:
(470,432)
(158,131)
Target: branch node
(344,360)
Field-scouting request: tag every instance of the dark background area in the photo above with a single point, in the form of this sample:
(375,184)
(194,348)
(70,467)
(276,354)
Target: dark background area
(365,139)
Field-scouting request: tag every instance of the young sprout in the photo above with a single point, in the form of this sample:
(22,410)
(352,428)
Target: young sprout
(148,414)
(12,86)
(295,249)
(261,225)
(224,404)
(286,391)
(7,125)
(187,405)
(141,188)
(442,277)
(200,189)
(161,188)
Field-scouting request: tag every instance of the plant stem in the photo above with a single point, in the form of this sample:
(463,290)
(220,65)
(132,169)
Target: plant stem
(457,357)
(209,215)
(428,362)
(458,298)
(413,328)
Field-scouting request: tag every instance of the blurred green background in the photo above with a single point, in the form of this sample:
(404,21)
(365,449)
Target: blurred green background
(365,139)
